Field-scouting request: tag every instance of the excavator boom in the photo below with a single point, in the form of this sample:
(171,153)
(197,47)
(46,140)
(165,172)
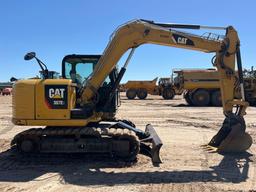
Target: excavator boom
(136,33)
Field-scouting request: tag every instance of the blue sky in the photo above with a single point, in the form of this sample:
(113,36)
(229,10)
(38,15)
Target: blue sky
(55,28)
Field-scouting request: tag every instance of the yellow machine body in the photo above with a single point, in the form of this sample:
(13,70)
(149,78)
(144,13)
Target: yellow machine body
(36,104)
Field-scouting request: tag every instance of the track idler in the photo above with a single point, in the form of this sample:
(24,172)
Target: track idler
(231,137)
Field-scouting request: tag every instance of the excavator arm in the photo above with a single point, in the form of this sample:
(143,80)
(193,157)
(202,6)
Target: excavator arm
(138,32)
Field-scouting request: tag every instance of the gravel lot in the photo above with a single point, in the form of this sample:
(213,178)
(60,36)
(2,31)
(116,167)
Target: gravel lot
(185,167)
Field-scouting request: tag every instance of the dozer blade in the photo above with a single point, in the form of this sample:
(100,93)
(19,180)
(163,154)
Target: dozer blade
(156,144)
(231,137)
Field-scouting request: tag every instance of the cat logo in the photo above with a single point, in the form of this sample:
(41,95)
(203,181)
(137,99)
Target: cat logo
(56,96)
(179,39)
(182,40)
(57,93)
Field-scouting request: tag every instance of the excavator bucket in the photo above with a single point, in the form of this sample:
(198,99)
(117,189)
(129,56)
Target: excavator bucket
(152,150)
(231,137)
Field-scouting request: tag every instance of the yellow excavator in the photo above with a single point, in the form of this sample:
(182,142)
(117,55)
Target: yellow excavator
(78,110)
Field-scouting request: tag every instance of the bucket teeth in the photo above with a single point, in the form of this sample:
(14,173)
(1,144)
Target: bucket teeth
(231,137)
(209,148)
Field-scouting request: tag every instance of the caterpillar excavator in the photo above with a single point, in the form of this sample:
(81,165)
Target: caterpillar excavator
(78,110)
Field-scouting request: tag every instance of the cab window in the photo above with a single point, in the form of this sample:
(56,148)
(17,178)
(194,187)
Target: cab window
(79,69)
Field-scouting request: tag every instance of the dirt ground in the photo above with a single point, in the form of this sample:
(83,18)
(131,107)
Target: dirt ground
(186,166)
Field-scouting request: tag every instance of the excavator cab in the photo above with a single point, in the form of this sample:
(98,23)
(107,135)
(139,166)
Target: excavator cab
(79,68)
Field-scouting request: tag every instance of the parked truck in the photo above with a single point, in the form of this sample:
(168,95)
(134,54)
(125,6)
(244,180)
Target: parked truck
(7,91)
(250,86)
(202,88)
(5,88)
(141,89)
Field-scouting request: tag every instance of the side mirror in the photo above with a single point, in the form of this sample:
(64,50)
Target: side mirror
(30,56)
(13,79)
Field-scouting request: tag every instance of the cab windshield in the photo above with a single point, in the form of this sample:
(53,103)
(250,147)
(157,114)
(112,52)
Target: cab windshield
(79,67)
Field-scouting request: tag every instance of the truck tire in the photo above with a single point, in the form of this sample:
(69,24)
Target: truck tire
(216,98)
(168,93)
(187,97)
(142,93)
(131,93)
(201,97)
